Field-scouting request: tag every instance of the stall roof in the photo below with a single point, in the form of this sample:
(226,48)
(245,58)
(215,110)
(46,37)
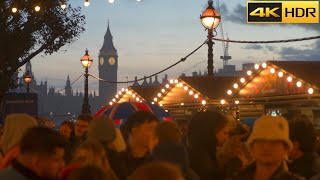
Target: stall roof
(146,92)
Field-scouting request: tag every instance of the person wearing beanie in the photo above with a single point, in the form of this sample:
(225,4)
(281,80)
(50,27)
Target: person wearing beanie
(270,144)
(15,126)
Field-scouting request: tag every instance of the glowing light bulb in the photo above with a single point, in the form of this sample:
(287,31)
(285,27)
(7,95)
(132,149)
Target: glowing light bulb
(176,81)
(186,88)
(190,92)
(256,66)
(37,8)
(117,96)
(264,65)
(63,6)
(133,95)
(171,81)
(280,74)
(86,3)
(163,90)
(155,99)
(122,89)
(110,103)
(236,102)
(289,79)
(196,96)
(14,10)
(203,102)
(223,101)
(310,91)
(159,94)
(299,84)
(249,73)
(137,99)
(182,104)
(229,92)
(160,104)
(114,100)
(167,86)
(235,86)
(272,70)
(152,102)
(181,84)
(242,80)
(111,1)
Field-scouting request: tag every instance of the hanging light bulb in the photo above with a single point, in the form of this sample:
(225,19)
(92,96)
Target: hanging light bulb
(280,74)
(236,102)
(167,86)
(86,3)
(242,80)
(163,90)
(289,79)
(299,84)
(203,102)
(229,92)
(264,65)
(37,8)
(249,73)
(235,86)
(14,9)
(310,91)
(256,66)
(223,101)
(110,103)
(159,94)
(171,81)
(63,4)
(176,81)
(190,92)
(196,96)
(186,88)
(272,70)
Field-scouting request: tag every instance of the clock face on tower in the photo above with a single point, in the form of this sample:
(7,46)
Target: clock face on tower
(101,61)
(111,61)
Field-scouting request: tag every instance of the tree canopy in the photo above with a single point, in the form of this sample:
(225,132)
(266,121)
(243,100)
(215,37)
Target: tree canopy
(27,33)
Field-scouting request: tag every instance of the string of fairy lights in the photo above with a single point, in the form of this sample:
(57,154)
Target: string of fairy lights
(63,5)
(236,87)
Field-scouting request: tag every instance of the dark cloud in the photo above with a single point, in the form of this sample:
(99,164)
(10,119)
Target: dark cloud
(310,54)
(254,47)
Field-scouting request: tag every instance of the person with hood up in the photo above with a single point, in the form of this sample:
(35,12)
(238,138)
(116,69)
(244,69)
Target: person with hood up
(103,130)
(14,127)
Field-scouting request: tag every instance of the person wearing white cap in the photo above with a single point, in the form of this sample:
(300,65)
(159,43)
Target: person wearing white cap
(269,142)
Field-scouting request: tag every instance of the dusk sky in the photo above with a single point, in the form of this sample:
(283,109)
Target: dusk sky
(153,34)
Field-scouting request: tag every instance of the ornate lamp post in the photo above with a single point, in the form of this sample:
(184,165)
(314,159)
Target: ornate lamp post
(86,62)
(27,78)
(210,19)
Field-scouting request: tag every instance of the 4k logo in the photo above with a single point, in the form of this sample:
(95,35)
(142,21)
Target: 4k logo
(264,12)
(283,11)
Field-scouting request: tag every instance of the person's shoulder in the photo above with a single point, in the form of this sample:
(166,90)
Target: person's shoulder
(12,174)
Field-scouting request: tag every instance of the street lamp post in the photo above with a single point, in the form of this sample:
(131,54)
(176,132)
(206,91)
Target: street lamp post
(86,62)
(210,19)
(27,78)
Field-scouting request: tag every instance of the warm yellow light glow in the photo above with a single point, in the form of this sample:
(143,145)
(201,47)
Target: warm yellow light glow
(110,103)
(63,6)
(242,80)
(130,92)
(137,99)
(182,104)
(203,102)
(127,89)
(160,104)
(310,91)
(163,90)
(229,92)
(167,86)
(171,81)
(235,86)
(159,94)
(86,3)
(14,10)
(119,92)
(37,8)
(256,66)
(186,88)
(280,74)
(223,101)
(264,65)
(190,92)
(299,84)
(289,79)
(196,96)
(155,99)
(134,95)
(152,102)
(122,89)
(117,96)
(272,70)
(181,85)
(176,81)
(114,100)
(249,73)
(236,102)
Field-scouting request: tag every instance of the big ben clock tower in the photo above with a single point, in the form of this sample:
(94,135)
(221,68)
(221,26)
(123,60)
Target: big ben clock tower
(108,68)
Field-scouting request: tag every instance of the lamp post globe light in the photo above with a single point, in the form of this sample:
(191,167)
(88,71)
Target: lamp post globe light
(210,19)
(86,62)
(27,78)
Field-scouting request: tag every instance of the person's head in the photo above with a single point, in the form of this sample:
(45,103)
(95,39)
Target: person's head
(42,150)
(88,172)
(66,129)
(302,135)
(168,131)
(82,124)
(157,170)
(269,140)
(140,128)
(208,129)
(102,129)
(14,127)
(91,152)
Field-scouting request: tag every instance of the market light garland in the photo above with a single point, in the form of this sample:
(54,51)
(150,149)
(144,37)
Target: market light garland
(126,91)
(272,69)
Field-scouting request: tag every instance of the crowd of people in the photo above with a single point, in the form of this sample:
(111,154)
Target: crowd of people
(210,146)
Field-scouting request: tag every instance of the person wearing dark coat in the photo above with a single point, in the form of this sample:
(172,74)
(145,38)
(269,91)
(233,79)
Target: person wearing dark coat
(305,160)
(207,131)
